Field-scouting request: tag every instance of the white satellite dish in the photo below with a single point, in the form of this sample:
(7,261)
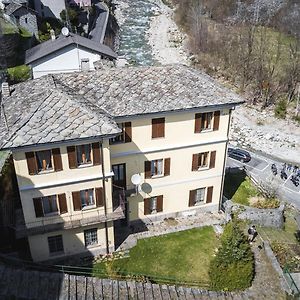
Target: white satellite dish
(136,179)
(65,31)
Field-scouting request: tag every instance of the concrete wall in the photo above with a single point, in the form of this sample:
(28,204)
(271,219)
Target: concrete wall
(73,241)
(64,61)
(179,144)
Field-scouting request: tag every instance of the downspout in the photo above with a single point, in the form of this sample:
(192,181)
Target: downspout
(224,162)
(104,196)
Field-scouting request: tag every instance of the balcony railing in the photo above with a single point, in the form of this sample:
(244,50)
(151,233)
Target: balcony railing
(86,218)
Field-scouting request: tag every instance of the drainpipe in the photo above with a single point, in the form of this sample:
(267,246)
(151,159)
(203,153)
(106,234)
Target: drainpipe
(224,162)
(104,195)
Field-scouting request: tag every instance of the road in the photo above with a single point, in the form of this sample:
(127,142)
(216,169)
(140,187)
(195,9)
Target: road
(259,167)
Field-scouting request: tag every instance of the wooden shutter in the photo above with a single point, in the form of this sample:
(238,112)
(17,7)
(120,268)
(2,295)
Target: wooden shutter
(198,118)
(63,208)
(212,161)
(96,154)
(209,194)
(195,162)
(192,198)
(31,163)
(38,208)
(57,159)
(128,132)
(76,200)
(159,206)
(147,169)
(167,166)
(147,206)
(158,127)
(216,120)
(72,157)
(99,197)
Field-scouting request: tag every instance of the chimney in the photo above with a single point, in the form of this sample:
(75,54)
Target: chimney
(52,33)
(5,91)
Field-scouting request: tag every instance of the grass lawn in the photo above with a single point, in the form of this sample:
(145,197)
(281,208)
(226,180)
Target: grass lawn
(239,188)
(182,256)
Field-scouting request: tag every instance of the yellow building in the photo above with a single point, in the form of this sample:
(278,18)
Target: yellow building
(77,140)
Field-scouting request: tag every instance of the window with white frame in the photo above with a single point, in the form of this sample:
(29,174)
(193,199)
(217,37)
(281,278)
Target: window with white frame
(206,121)
(44,160)
(90,237)
(87,197)
(153,205)
(203,160)
(55,244)
(49,204)
(199,196)
(157,167)
(83,154)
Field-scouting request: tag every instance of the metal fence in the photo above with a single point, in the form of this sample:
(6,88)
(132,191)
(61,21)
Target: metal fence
(291,282)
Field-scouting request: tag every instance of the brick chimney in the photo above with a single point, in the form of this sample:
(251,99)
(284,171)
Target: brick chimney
(5,91)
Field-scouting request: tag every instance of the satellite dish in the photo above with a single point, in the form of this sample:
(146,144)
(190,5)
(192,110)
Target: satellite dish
(146,188)
(136,179)
(65,31)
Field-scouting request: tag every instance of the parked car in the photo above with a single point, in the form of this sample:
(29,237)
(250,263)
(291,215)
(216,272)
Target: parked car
(239,154)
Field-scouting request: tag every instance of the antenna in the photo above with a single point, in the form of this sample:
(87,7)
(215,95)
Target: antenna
(65,31)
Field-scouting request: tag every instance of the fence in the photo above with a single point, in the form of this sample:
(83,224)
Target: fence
(291,282)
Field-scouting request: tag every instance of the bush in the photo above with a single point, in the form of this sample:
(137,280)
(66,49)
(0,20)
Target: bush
(267,203)
(280,109)
(18,74)
(233,266)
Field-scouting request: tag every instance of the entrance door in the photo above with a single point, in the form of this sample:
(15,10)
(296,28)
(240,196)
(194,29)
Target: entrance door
(119,179)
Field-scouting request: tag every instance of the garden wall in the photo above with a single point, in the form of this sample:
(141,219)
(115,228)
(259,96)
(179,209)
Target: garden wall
(271,217)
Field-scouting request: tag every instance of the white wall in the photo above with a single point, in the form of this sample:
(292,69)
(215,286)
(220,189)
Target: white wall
(63,61)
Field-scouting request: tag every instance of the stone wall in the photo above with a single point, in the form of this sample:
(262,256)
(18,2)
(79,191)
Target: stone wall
(272,217)
(8,45)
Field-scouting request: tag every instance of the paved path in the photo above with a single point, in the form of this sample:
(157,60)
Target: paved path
(260,168)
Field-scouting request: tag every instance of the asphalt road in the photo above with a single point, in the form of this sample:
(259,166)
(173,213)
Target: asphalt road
(259,167)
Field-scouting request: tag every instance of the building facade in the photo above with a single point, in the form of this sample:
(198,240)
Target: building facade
(76,154)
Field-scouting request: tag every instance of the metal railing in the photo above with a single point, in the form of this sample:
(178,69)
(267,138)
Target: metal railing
(290,281)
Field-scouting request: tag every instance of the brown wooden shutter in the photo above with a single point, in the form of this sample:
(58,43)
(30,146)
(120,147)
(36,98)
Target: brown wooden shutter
(147,206)
(212,161)
(192,198)
(216,120)
(198,118)
(209,194)
(195,162)
(72,157)
(167,166)
(31,163)
(147,169)
(57,159)
(158,127)
(76,200)
(96,154)
(99,197)
(159,206)
(38,208)
(128,132)
(63,208)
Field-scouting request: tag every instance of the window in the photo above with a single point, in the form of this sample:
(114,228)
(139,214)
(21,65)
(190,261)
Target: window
(90,237)
(197,197)
(203,160)
(83,154)
(156,167)
(44,160)
(55,244)
(49,204)
(87,197)
(158,127)
(26,20)
(206,121)
(153,205)
(125,136)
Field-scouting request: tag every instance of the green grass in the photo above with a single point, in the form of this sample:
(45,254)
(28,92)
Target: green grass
(19,73)
(182,256)
(239,188)
(7,28)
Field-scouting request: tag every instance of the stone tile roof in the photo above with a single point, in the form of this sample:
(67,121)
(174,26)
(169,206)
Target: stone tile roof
(38,113)
(61,42)
(80,105)
(143,90)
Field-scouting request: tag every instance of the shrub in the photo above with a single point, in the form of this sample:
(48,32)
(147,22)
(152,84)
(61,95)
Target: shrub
(233,266)
(280,109)
(18,74)
(267,203)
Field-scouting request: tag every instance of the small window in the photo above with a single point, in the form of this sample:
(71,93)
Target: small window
(49,205)
(206,121)
(90,237)
(87,197)
(153,205)
(26,20)
(55,244)
(157,167)
(120,138)
(44,161)
(158,128)
(203,160)
(83,154)
(200,195)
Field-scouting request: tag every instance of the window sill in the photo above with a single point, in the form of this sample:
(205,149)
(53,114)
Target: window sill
(53,214)
(158,138)
(157,176)
(82,166)
(203,168)
(92,246)
(88,207)
(45,172)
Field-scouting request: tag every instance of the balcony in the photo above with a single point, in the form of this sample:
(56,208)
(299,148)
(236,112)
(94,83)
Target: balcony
(86,218)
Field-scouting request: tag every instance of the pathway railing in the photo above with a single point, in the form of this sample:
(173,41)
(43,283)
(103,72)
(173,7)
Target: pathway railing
(291,282)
